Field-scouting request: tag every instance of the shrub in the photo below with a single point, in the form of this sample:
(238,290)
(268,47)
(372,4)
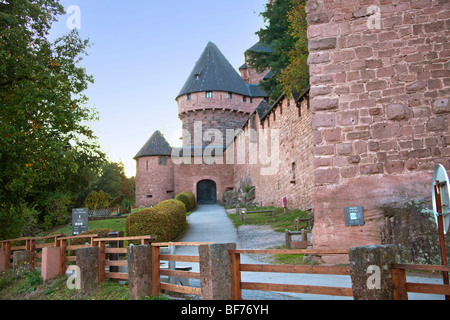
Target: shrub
(188,198)
(166,220)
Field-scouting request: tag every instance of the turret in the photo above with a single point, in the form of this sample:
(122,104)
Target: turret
(154,172)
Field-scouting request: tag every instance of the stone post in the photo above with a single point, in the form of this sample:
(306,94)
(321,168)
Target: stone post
(370,270)
(50,263)
(87,261)
(21,263)
(140,271)
(215,272)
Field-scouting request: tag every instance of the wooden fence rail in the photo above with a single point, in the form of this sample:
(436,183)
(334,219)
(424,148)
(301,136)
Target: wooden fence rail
(157,272)
(67,249)
(32,244)
(236,268)
(104,250)
(402,287)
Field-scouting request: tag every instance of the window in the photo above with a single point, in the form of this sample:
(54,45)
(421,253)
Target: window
(293,173)
(197,76)
(230,95)
(162,160)
(251,100)
(146,165)
(149,196)
(208,94)
(244,99)
(189,96)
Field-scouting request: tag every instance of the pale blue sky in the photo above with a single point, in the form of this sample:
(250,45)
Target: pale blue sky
(142,53)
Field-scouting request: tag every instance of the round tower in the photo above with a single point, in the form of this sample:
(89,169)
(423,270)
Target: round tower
(154,172)
(215,97)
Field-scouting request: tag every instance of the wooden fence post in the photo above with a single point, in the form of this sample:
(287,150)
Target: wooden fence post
(236,292)
(63,254)
(101,261)
(156,280)
(399,282)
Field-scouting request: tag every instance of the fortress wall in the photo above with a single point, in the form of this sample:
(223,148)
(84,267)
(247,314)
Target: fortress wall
(286,173)
(380,89)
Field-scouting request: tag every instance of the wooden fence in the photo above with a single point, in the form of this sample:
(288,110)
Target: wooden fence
(34,245)
(103,260)
(157,272)
(67,249)
(402,287)
(237,267)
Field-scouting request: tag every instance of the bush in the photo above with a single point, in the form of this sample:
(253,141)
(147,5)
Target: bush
(166,221)
(188,198)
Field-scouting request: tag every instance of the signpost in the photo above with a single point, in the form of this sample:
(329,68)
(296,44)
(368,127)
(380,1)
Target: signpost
(80,221)
(441,201)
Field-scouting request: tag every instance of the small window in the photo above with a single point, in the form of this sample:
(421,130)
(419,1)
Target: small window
(230,95)
(197,76)
(162,161)
(293,173)
(189,96)
(251,100)
(209,94)
(149,196)
(244,99)
(146,165)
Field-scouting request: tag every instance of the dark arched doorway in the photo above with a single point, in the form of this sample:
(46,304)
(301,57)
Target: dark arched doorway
(206,192)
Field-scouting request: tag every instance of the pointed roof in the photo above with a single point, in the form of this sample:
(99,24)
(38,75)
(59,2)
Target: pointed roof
(157,145)
(213,72)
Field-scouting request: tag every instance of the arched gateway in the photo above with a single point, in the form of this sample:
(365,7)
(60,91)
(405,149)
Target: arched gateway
(206,192)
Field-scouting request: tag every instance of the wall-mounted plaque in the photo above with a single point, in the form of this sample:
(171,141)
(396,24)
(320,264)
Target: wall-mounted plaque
(354,216)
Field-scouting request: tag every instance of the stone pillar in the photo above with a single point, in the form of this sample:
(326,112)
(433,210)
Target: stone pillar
(215,271)
(21,263)
(140,271)
(50,263)
(370,269)
(87,261)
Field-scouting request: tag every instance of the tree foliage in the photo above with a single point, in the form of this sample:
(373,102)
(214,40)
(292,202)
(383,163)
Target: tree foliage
(285,34)
(45,140)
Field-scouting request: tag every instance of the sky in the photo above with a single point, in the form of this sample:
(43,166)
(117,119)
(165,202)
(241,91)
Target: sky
(141,55)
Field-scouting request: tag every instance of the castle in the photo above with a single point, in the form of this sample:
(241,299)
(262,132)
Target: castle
(367,133)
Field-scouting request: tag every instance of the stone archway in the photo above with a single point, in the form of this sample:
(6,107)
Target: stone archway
(206,192)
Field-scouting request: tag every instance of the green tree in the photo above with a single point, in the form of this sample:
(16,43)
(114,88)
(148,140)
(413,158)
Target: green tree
(275,35)
(285,34)
(44,117)
(295,77)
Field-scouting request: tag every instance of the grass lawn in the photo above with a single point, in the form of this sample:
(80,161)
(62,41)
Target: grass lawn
(114,224)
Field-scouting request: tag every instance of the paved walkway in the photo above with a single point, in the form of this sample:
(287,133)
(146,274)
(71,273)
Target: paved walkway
(210,223)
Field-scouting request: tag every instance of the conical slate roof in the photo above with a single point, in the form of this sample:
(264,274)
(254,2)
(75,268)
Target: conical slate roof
(213,72)
(157,145)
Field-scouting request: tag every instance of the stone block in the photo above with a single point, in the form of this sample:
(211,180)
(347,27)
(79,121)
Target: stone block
(398,112)
(324,104)
(436,124)
(322,44)
(87,261)
(21,263)
(215,271)
(441,106)
(139,271)
(370,270)
(50,263)
(325,176)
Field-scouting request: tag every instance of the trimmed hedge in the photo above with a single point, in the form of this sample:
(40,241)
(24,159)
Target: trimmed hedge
(188,198)
(166,221)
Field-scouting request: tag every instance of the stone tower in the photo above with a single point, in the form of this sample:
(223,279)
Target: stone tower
(154,172)
(215,96)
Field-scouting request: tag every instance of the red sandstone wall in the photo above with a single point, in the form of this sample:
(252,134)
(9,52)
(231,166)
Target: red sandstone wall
(188,175)
(380,109)
(295,146)
(156,181)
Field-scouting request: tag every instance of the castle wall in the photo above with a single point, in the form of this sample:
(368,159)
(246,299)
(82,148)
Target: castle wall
(154,182)
(188,175)
(292,163)
(380,108)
